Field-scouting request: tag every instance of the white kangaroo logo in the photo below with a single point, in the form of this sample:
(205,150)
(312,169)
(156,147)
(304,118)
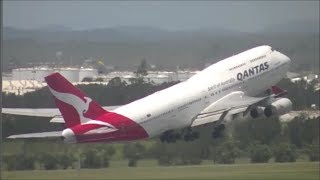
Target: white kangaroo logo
(80,106)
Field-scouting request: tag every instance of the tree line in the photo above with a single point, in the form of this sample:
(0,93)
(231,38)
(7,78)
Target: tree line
(258,139)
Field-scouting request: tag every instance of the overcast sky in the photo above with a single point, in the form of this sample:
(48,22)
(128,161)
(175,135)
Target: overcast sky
(178,15)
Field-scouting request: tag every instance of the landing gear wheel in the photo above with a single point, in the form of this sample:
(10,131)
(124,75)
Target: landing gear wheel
(170,136)
(190,136)
(218,131)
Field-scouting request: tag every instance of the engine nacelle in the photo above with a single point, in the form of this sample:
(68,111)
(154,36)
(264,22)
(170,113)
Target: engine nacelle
(278,107)
(68,136)
(257,112)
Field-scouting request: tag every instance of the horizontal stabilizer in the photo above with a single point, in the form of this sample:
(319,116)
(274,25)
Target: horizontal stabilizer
(57,119)
(43,112)
(51,134)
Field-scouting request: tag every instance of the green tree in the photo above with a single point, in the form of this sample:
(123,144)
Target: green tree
(163,153)
(19,162)
(260,153)
(295,130)
(285,152)
(99,79)
(227,152)
(264,130)
(65,160)
(301,93)
(303,131)
(105,153)
(142,69)
(313,152)
(87,79)
(48,161)
(91,159)
(133,152)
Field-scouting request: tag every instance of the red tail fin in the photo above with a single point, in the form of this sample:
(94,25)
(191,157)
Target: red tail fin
(75,107)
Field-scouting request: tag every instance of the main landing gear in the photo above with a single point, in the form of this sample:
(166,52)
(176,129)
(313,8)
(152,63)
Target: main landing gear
(172,136)
(190,135)
(218,131)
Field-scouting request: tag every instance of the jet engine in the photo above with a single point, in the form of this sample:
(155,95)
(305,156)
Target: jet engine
(257,112)
(278,107)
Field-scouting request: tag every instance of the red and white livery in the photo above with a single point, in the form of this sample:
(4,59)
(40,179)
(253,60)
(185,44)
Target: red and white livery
(241,85)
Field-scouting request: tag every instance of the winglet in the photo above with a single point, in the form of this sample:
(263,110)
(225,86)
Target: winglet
(278,91)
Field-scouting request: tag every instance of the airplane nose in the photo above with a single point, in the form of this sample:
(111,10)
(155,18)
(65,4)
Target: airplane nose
(282,57)
(285,58)
(68,136)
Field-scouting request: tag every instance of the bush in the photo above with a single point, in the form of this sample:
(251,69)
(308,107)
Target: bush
(9,160)
(227,152)
(97,157)
(189,160)
(179,153)
(260,153)
(313,152)
(285,153)
(65,161)
(19,162)
(165,160)
(48,161)
(133,152)
(132,162)
(91,159)
(87,79)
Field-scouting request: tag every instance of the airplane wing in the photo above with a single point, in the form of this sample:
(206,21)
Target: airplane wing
(233,103)
(54,113)
(52,134)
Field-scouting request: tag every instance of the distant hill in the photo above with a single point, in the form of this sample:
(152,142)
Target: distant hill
(56,33)
(117,34)
(293,27)
(125,46)
(54,28)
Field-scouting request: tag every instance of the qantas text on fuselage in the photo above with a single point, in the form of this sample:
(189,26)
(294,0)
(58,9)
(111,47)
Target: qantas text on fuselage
(252,71)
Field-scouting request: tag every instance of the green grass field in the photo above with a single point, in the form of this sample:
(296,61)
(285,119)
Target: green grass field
(299,170)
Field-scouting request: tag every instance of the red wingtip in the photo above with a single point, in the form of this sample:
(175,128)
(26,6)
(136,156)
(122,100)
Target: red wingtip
(278,91)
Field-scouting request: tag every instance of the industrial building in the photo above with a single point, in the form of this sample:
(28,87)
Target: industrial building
(38,73)
(156,77)
(20,87)
(25,80)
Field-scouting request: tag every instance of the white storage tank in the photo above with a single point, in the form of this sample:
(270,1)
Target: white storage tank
(87,72)
(41,73)
(184,75)
(71,74)
(37,74)
(23,74)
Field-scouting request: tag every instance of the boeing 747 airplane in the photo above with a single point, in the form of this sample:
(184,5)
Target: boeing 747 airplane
(241,85)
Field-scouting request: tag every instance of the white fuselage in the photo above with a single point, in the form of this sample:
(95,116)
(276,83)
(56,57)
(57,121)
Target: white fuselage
(251,72)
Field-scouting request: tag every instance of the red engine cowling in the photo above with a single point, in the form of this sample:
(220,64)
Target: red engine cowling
(278,107)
